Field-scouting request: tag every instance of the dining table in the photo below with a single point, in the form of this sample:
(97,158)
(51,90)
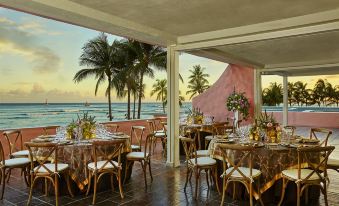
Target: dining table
(77,153)
(270,158)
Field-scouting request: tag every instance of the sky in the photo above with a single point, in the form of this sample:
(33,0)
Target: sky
(39,57)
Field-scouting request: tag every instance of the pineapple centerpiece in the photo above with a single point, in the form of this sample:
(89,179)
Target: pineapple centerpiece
(83,128)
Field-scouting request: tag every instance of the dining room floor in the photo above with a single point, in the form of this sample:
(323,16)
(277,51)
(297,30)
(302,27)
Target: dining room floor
(167,188)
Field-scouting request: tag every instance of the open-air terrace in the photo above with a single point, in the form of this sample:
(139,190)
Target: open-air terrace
(264,132)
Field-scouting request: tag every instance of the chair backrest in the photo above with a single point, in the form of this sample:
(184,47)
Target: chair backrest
(42,153)
(290,130)
(149,142)
(151,126)
(245,153)
(221,128)
(112,127)
(137,133)
(14,138)
(49,130)
(159,123)
(2,155)
(318,133)
(107,151)
(316,159)
(190,149)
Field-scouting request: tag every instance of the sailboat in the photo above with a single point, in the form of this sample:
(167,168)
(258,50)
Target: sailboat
(46,102)
(87,104)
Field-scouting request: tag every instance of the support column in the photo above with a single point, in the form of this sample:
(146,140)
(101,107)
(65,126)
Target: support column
(172,107)
(257,93)
(285,100)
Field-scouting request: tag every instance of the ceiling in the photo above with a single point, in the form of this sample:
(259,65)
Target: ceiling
(294,37)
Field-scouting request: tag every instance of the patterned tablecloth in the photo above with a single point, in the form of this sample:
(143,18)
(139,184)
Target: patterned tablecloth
(77,155)
(270,160)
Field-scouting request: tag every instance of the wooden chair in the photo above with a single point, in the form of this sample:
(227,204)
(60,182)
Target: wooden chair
(197,164)
(235,172)
(194,134)
(315,174)
(112,127)
(325,133)
(6,166)
(49,130)
(15,144)
(218,128)
(48,171)
(158,133)
(143,157)
(137,133)
(106,160)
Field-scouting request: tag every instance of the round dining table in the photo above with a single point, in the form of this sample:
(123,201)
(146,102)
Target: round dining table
(78,153)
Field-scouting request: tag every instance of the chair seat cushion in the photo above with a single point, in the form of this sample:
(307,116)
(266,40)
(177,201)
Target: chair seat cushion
(333,162)
(136,155)
(244,170)
(135,147)
(51,166)
(202,153)
(159,134)
(100,164)
(204,161)
(21,153)
(293,174)
(209,137)
(17,162)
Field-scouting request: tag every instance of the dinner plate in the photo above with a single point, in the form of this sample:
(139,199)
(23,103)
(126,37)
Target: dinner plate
(46,136)
(42,140)
(118,133)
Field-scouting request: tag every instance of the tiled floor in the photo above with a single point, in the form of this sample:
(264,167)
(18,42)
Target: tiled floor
(166,189)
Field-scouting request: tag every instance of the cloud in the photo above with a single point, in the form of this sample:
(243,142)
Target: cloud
(16,40)
(36,28)
(37,88)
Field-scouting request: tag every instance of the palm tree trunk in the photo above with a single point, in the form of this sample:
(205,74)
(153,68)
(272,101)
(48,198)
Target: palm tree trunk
(134,100)
(163,103)
(128,103)
(109,99)
(140,93)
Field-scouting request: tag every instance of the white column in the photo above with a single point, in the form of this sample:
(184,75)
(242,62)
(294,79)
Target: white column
(285,100)
(257,93)
(172,107)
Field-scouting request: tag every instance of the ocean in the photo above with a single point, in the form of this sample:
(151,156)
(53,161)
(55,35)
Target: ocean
(23,115)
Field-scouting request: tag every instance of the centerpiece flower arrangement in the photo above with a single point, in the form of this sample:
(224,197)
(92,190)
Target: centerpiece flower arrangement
(195,116)
(83,128)
(268,123)
(238,102)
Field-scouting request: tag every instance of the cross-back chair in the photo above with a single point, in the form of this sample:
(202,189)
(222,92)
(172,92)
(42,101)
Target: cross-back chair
(106,160)
(315,174)
(197,164)
(218,128)
(158,133)
(237,172)
(143,157)
(15,144)
(49,130)
(44,164)
(194,134)
(325,133)
(112,127)
(137,133)
(7,165)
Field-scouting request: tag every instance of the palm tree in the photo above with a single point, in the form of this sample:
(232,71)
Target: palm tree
(290,91)
(160,89)
(198,82)
(319,92)
(147,57)
(273,95)
(330,93)
(102,62)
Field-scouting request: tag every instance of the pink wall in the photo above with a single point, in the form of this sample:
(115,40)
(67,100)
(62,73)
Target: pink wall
(213,101)
(311,119)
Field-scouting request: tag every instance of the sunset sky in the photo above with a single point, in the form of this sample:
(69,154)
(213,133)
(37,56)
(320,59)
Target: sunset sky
(39,57)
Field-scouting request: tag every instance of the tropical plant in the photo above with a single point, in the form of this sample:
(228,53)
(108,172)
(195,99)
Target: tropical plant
(101,59)
(273,95)
(290,91)
(198,82)
(319,92)
(147,57)
(160,89)
(300,93)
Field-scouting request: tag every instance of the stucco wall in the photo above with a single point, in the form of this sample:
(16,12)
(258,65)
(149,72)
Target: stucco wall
(213,101)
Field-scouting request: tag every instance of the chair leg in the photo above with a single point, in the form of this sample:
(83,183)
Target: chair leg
(150,170)
(197,172)
(284,184)
(143,165)
(251,194)
(89,183)
(31,190)
(216,179)
(126,168)
(95,188)
(9,175)
(3,182)
(25,176)
(187,176)
(298,194)
(234,188)
(325,193)
(223,190)
(120,186)
(67,175)
(46,186)
(56,189)
(112,179)
(208,182)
